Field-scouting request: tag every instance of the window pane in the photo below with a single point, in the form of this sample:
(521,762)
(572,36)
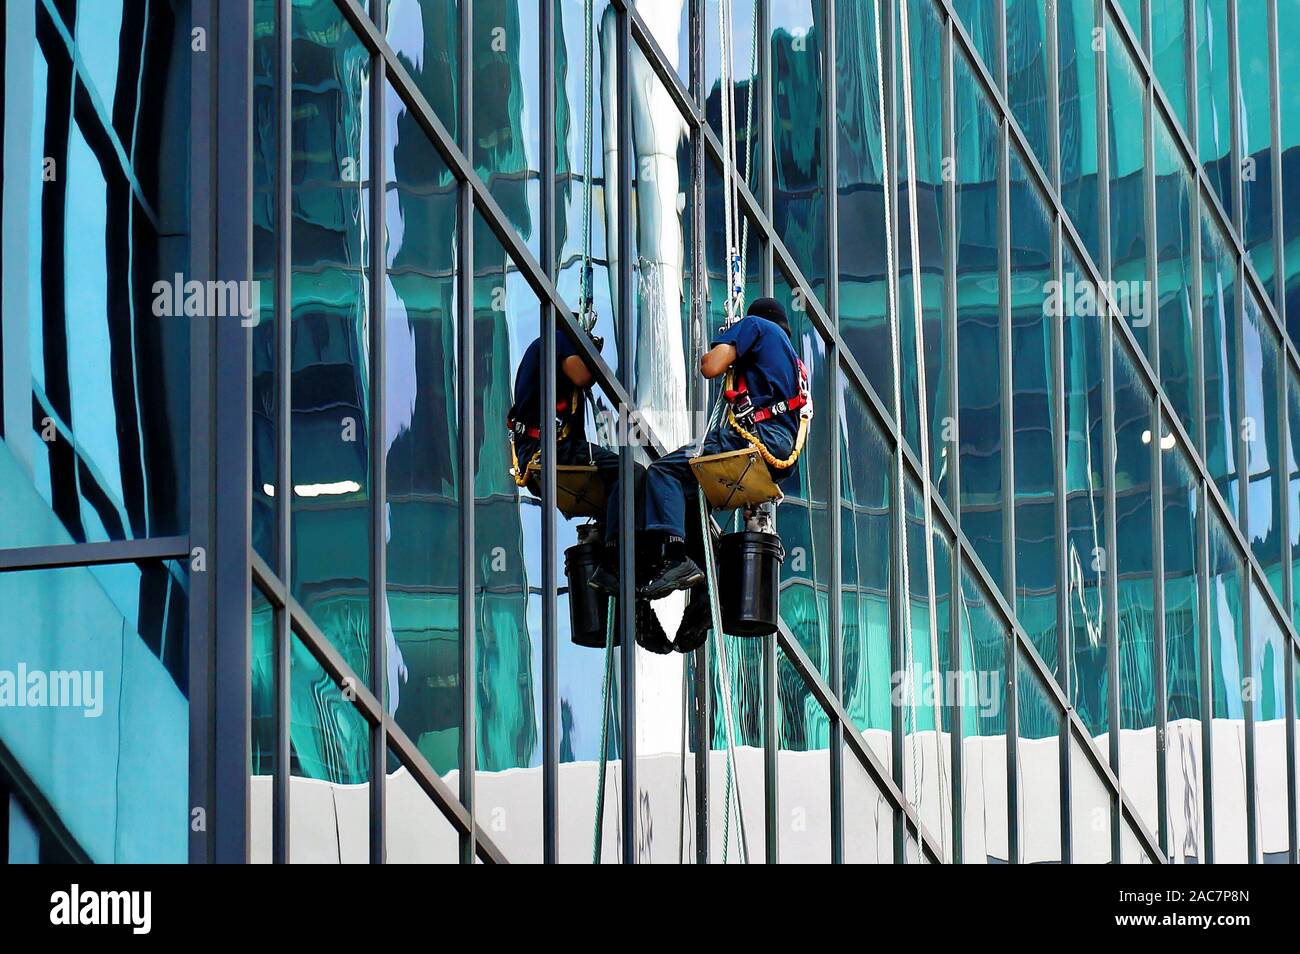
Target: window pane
(425,35)
(984,685)
(329,793)
(421,443)
(867,499)
(1268,646)
(1033,415)
(1213,119)
(1077,81)
(1085,506)
(261,766)
(1090,809)
(1027,73)
(1038,767)
(331,384)
(415,829)
(979,364)
(1256,150)
(1129,177)
(1134,435)
(1288,23)
(1169,52)
(1183,681)
(1218,333)
(1174,277)
(1228,738)
(803,770)
(93,676)
(868,818)
(1261,429)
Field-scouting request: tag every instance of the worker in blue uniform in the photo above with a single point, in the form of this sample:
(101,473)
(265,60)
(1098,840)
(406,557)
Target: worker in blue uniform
(572,380)
(766,392)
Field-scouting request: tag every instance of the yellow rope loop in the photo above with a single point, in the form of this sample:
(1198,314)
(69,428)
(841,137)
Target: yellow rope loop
(767,455)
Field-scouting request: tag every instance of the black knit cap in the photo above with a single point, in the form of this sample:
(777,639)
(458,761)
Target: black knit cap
(773,311)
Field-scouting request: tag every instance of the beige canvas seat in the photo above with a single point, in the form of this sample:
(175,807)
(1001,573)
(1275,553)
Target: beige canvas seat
(736,478)
(579,491)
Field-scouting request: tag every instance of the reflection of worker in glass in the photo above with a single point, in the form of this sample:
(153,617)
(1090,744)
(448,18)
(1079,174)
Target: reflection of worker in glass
(766,390)
(572,379)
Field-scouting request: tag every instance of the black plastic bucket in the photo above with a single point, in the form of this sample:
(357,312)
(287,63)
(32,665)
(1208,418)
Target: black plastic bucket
(749,579)
(587,606)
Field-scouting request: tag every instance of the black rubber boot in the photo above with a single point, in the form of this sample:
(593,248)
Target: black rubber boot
(605,578)
(649,634)
(670,577)
(695,625)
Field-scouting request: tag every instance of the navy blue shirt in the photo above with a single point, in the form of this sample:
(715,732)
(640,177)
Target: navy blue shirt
(528,384)
(768,362)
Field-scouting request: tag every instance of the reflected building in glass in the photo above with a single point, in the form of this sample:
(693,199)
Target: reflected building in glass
(1039,596)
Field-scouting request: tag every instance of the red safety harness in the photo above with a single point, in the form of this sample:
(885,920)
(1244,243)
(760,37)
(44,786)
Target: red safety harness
(743,408)
(519,429)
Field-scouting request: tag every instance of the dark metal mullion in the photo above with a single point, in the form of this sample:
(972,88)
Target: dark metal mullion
(953,445)
(699,318)
(1234,123)
(202,716)
(1238,331)
(830,142)
(230,546)
(898,597)
(1275,174)
(550,649)
(1291,799)
(1109,583)
(378,457)
(627,518)
(465,399)
(1061,522)
(1158,656)
(771,698)
(60,555)
(1206,674)
(1007,424)
(283,640)
(1248,706)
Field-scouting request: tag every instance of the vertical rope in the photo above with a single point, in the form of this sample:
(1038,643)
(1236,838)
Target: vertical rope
(606,692)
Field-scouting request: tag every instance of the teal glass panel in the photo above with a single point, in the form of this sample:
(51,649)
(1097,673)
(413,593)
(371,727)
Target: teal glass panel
(798,152)
(863,317)
(979,362)
(1261,429)
(1267,690)
(1090,809)
(737,807)
(425,35)
(1169,30)
(1254,121)
(920,688)
(94,665)
(1129,181)
(1085,498)
(803,768)
(804,516)
(1213,116)
(983,25)
(582,220)
(1184,717)
(1288,108)
(1227,693)
(1038,767)
(1027,86)
(422,418)
(507,566)
(929,260)
(1219,339)
(984,684)
(1033,414)
(1136,441)
(1078,43)
(330,384)
(506,110)
(94,389)
(1293,485)
(329,759)
(866,503)
(266,383)
(1174,291)
(261,726)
